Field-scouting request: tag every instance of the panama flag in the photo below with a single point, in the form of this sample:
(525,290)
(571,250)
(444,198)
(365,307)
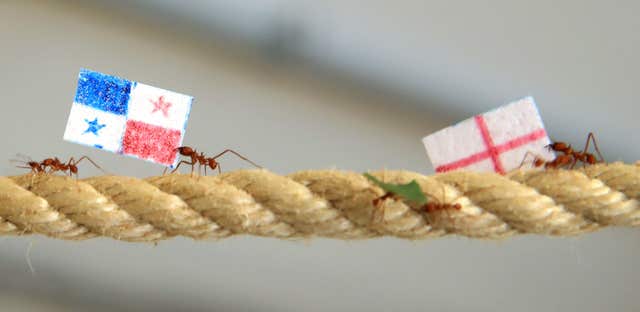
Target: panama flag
(128,117)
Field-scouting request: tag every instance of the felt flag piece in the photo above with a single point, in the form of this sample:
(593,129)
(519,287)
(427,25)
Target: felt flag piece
(128,117)
(495,141)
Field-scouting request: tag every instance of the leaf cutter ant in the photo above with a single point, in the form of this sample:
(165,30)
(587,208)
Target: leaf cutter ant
(568,155)
(52,165)
(202,161)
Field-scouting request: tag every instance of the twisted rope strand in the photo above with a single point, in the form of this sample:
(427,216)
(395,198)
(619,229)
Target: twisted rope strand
(325,203)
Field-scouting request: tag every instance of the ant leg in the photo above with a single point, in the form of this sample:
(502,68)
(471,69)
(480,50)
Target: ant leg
(180,163)
(219,169)
(525,158)
(595,145)
(573,164)
(236,153)
(377,214)
(90,160)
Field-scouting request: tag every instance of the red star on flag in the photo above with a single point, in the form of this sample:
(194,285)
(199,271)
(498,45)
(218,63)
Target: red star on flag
(161,105)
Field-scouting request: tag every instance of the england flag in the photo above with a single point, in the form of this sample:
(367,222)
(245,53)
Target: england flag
(500,140)
(128,117)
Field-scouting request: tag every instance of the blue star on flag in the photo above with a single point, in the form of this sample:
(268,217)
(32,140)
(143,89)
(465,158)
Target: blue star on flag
(94,126)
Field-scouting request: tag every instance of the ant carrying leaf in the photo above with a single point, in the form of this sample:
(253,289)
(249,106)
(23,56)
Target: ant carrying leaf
(410,191)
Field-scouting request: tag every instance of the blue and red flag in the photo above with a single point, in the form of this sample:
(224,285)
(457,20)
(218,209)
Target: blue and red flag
(128,117)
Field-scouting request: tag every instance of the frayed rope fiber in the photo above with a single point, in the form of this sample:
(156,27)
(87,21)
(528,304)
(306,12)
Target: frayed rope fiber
(320,203)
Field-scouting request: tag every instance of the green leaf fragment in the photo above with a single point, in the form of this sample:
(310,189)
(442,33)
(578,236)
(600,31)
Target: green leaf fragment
(410,191)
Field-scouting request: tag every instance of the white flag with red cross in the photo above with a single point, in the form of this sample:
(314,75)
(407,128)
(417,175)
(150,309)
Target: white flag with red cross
(495,141)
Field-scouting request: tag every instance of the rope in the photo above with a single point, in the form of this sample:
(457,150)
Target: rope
(325,203)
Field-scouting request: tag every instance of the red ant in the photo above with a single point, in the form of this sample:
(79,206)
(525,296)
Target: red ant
(54,165)
(72,165)
(429,207)
(584,157)
(201,160)
(568,156)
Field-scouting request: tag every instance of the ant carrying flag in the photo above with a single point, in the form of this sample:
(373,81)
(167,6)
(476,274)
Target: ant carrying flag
(500,140)
(128,117)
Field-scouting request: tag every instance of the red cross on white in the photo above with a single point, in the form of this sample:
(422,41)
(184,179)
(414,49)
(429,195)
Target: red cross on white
(496,141)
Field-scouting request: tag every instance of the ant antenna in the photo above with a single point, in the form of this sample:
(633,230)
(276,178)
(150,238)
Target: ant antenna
(74,162)
(21,158)
(240,156)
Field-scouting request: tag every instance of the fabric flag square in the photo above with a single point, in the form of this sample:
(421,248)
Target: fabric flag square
(128,117)
(495,141)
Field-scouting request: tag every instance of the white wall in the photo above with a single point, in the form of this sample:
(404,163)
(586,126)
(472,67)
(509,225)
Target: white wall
(577,58)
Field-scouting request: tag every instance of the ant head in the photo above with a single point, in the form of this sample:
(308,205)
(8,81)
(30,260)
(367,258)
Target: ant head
(590,158)
(33,164)
(73,168)
(212,163)
(538,162)
(185,150)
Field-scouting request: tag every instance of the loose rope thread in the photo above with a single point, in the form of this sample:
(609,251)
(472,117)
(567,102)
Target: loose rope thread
(320,203)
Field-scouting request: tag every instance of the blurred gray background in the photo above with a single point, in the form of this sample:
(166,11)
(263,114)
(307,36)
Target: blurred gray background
(323,84)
